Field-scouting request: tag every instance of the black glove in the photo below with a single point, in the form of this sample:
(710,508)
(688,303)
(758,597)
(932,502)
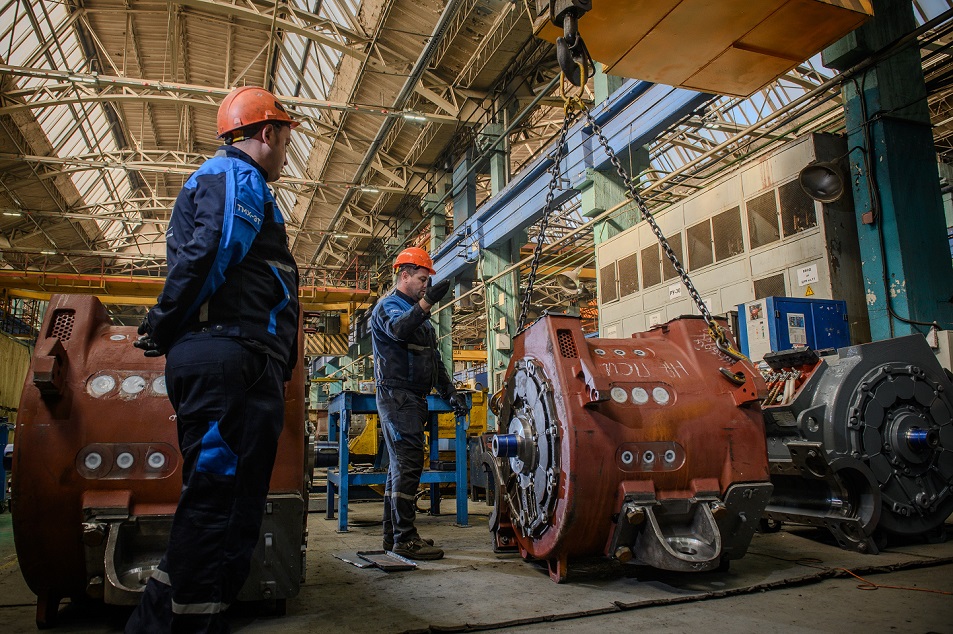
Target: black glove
(459,403)
(436,292)
(145,342)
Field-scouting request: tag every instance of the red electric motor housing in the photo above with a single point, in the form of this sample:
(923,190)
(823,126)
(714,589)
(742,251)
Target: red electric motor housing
(641,449)
(97,470)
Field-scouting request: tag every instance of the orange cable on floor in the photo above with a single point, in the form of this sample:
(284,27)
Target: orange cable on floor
(870,585)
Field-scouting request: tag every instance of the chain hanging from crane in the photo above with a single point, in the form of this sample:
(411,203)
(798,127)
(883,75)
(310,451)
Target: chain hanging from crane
(569,115)
(572,104)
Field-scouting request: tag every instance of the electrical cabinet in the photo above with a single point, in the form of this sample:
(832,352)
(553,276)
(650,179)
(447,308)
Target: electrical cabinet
(781,323)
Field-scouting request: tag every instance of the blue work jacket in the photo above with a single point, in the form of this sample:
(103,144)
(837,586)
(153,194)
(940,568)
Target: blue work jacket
(405,347)
(230,270)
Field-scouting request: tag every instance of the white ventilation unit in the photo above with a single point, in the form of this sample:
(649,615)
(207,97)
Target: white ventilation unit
(754,234)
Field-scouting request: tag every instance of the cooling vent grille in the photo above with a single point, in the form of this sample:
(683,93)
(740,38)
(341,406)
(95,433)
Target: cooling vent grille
(567,347)
(62,326)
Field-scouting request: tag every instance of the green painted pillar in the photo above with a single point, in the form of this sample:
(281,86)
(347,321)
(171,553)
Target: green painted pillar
(464,188)
(499,157)
(905,254)
(603,190)
(502,301)
(443,323)
(604,84)
(502,312)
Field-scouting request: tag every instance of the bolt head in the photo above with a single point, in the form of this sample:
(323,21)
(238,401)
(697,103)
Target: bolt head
(635,516)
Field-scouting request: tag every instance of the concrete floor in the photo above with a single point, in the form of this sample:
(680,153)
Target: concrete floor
(792,581)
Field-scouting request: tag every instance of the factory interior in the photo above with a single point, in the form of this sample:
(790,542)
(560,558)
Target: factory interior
(698,319)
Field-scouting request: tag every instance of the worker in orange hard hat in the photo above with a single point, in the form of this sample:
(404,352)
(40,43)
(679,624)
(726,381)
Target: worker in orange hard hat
(407,366)
(227,321)
(415,256)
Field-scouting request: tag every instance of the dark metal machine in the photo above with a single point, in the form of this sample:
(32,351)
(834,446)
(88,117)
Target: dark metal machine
(640,449)
(97,471)
(861,442)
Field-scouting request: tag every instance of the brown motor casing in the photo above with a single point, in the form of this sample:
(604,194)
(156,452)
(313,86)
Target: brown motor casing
(89,391)
(641,448)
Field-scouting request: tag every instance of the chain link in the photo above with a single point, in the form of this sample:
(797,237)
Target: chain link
(572,104)
(666,247)
(717,333)
(554,170)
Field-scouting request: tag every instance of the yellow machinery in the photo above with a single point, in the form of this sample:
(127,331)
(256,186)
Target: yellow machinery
(367,443)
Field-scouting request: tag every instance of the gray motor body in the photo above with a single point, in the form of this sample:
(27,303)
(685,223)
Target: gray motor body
(865,443)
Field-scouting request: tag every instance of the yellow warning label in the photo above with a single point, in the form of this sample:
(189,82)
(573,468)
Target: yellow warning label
(808,292)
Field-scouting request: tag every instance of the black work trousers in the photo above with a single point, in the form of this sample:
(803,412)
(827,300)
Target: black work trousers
(229,403)
(402,414)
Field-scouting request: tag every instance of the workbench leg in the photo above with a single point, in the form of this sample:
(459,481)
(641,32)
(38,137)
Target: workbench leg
(344,459)
(334,420)
(434,444)
(329,514)
(460,455)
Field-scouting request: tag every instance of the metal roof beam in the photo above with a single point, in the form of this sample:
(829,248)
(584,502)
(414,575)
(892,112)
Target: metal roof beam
(26,99)
(305,24)
(161,162)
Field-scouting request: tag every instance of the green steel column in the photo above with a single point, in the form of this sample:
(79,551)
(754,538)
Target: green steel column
(464,188)
(502,301)
(499,157)
(604,84)
(502,312)
(904,251)
(603,190)
(443,320)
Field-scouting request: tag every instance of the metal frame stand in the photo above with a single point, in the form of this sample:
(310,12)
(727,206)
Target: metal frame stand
(345,404)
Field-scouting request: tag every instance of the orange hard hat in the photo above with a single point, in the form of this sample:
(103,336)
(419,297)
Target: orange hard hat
(247,105)
(415,256)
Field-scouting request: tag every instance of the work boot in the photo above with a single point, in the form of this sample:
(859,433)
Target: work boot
(417,549)
(389,542)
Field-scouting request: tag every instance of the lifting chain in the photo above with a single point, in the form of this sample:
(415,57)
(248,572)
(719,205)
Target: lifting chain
(558,154)
(572,104)
(717,333)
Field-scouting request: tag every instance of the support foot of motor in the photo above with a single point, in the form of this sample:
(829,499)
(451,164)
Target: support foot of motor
(47,610)
(559,568)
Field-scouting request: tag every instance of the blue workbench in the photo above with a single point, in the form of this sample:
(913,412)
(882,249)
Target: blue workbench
(340,409)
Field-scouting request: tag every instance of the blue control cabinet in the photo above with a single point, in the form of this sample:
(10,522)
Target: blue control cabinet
(781,323)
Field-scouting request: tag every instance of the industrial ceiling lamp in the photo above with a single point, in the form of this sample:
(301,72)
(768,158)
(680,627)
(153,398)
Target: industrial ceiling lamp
(822,181)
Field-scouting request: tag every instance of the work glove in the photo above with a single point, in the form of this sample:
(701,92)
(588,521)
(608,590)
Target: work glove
(145,342)
(436,292)
(459,403)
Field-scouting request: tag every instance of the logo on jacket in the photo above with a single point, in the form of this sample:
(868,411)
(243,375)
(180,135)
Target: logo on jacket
(248,214)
